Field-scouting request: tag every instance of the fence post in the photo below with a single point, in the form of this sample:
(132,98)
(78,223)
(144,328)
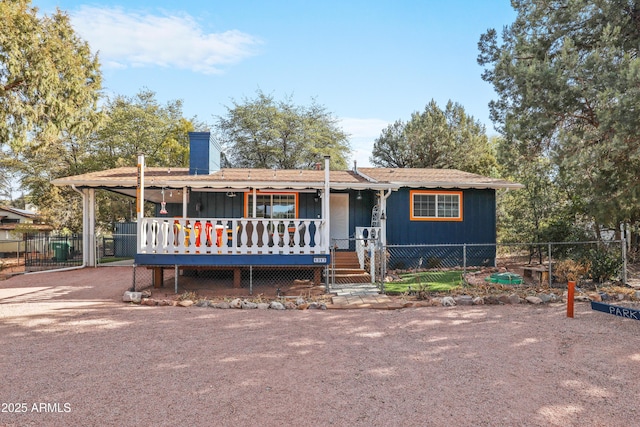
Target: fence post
(464,261)
(624,261)
(550,264)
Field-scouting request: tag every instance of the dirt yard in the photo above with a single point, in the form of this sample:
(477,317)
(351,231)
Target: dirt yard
(73,354)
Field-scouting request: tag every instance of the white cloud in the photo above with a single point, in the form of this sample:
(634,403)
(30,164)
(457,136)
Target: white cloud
(126,39)
(362,134)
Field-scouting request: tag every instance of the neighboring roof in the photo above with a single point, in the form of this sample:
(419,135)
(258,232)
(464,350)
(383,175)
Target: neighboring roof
(26,226)
(125,179)
(21,212)
(434,178)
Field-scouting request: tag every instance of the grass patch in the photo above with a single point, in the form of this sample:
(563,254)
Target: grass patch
(432,281)
(112,259)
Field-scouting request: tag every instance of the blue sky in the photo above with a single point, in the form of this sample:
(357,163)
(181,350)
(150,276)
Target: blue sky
(368,62)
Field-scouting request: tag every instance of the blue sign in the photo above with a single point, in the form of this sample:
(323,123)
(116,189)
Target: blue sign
(629,313)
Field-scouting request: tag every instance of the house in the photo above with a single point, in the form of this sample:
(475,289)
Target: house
(15,224)
(235,218)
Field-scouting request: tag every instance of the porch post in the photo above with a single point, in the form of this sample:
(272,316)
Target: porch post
(325,205)
(140,202)
(185,201)
(90,239)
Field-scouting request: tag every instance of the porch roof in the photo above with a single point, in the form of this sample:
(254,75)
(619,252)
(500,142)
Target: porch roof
(224,179)
(124,179)
(434,178)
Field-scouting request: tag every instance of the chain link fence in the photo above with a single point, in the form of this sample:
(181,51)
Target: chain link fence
(444,267)
(258,280)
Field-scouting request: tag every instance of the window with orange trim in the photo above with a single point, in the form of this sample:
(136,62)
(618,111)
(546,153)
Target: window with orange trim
(273,205)
(436,205)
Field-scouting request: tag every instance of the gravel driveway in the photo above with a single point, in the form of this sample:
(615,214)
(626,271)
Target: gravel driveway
(73,355)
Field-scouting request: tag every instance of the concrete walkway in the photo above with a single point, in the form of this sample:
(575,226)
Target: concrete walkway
(357,295)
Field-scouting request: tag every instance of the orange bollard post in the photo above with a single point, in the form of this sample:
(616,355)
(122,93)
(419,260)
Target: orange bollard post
(570,292)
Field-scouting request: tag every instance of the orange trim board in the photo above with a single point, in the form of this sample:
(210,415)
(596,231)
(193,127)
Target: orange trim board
(427,192)
(267,193)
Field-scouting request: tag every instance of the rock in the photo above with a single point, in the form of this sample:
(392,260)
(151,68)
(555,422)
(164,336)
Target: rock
(554,298)
(248,305)
(276,305)
(135,297)
(314,305)
(545,297)
(581,298)
(149,301)
(300,301)
(146,294)
(621,297)
(478,301)
(504,299)
(203,303)
(533,300)
(514,299)
(409,304)
(164,303)
(185,303)
(448,302)
(605,296)
(303,306)
(464,300)
(236,303)
(491,299)
(263,306)
(222,305)
(289,305)
(594,296)
(436,302)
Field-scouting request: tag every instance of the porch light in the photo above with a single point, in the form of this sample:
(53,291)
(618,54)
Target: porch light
(231,194)
(163,204)
(359,196)
(318,196)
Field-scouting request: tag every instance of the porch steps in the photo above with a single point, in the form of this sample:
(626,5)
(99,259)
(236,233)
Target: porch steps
(347,268)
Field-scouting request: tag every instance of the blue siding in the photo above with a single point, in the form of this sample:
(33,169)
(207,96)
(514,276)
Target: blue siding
(478,224)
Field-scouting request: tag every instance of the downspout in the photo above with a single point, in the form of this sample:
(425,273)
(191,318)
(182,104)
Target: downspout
(85,214)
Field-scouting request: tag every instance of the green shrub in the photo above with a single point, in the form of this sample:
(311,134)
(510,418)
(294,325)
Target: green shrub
(603,264)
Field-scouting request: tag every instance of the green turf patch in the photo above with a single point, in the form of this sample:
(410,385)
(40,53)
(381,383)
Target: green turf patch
(431,281)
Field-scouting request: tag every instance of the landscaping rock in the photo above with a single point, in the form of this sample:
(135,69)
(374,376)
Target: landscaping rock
(533,300)
(146,294)
(263,306)
(300,301)
(464,300)
(135,297)
(236,303)
(222,305)
(448,302)
(478,301)
(290,305)
(545,297)
(621,297)
(303,306)
(581,298)
(514,299)
(203,303)
(164,303)
(248,305)
(276,305)
(436,302)
(491,299)
(185,303)
(504,299)
(149,302)
(594,296)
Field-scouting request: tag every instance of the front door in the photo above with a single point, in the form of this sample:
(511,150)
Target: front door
(339,224)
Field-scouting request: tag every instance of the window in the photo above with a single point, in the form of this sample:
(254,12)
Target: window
(277,205)
(436,205)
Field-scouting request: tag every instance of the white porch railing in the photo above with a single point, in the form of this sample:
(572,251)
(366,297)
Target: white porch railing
(237,236)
